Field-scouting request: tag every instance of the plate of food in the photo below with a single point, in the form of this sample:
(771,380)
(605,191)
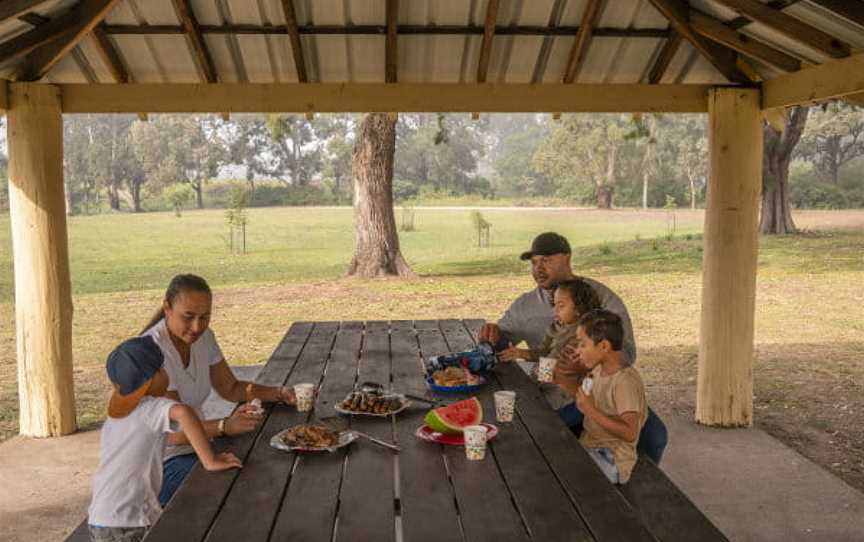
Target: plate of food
(363,403)
(454,380)
(424,432)
(311,438)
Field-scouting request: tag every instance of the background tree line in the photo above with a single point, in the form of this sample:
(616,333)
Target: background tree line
(121,163)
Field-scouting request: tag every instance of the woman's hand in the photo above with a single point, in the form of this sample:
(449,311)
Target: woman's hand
(243,420)
(513,353)
(223,461)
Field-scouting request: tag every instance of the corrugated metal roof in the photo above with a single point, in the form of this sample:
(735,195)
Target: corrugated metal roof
(166,56)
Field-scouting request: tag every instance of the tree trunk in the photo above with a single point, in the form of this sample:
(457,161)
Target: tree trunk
(606,187)
(198,187)
(776,217)
(376,242)
(645,190)
(136,196)
(604,196)
(113,197)
(692,193)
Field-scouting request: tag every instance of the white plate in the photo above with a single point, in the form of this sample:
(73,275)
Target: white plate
(405,404)
(345,438)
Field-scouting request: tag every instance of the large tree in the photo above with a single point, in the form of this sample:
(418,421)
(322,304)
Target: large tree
(834,136)
(440,151)
(690,151)
(376,241)
(592,150)
(182,148)
(776,217)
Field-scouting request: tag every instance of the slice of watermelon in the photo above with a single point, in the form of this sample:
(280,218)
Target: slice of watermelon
(452,419)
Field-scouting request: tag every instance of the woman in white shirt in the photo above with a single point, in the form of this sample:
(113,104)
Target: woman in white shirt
(195,365)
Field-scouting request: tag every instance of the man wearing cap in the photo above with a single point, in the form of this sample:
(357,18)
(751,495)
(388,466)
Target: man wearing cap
(126,483)
(530,315)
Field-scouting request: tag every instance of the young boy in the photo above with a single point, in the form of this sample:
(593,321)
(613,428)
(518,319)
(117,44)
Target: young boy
(614,406)
(126,484)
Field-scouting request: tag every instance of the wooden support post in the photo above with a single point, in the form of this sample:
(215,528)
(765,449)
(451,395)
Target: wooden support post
(724,394)
(43,298)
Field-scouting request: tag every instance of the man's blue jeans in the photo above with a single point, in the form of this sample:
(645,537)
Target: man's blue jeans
(652,439)
(174,471)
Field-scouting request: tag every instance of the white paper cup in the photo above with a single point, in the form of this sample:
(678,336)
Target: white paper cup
(545,369)
(505,404)
(475,442)
(305,394)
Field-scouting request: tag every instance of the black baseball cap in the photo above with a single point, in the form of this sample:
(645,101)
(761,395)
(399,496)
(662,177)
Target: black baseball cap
(547,244)
(131,367)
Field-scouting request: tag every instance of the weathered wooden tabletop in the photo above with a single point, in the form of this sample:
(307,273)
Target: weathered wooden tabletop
(536,482)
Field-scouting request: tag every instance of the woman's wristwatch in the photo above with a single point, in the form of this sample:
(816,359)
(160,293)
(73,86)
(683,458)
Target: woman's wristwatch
(221,427)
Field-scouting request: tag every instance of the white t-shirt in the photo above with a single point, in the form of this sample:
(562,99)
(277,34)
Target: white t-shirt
(126,484)
(191,383)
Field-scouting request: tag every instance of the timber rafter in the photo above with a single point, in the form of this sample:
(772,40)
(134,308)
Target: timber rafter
(592,12)
(203,58)
(488,35)
(789,26)
(293,31)
(677,12)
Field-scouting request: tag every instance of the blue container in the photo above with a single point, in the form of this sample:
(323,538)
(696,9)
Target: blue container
(480,359)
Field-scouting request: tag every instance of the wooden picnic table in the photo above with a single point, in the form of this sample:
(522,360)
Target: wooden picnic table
(536,482)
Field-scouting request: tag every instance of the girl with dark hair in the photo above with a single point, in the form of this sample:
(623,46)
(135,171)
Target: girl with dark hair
(195,365)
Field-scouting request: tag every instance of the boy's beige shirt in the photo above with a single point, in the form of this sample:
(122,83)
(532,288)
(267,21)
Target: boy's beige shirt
(614,395)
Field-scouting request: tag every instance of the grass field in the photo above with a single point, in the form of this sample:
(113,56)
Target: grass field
(810,321)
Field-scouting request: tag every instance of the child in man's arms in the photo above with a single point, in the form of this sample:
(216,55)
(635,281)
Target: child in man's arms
(614,406)
(126,484)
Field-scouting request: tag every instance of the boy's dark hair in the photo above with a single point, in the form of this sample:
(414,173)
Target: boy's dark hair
(583,295)
(603,325)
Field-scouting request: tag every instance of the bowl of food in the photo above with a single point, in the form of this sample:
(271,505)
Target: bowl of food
(311,438)
(454,380)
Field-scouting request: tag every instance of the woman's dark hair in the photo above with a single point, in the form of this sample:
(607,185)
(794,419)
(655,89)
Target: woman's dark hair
(180,283)
(583,295)
(603,325)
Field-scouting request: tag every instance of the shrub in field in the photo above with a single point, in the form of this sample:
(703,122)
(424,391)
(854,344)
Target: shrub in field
(178,196)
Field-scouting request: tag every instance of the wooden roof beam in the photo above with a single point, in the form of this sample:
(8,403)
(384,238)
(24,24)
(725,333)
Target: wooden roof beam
(110,56)
(391,51)
(16,8)
(384,97)
(789,26)
(488,36)
(378,30)
(57,31)
(853,11)
(716,30)
(835,79)
(294,36)
(677,12)
(74,25)
(195,38)
(583,39)
(667,53)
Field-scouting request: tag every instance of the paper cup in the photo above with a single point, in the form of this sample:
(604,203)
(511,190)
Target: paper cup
(505,403)
(475,442)
(545,368)
(305,394)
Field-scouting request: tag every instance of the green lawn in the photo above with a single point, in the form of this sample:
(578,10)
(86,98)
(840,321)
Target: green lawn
(809,321)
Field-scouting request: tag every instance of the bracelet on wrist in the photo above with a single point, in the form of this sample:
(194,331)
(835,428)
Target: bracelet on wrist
(221,427)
